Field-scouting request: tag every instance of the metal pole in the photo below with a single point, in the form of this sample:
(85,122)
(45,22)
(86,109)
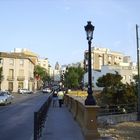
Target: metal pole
(90,99)
(138,64)
(90,70)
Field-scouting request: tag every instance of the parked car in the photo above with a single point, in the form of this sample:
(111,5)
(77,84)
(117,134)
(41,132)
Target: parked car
(5,97)
(25,91)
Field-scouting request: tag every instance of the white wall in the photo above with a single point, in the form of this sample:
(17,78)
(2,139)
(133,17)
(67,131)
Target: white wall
(123,71)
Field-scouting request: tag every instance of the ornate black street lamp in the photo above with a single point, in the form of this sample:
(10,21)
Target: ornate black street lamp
(89,28)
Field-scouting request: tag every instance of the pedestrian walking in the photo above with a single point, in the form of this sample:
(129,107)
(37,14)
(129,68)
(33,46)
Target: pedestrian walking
(55,98)
(60,97)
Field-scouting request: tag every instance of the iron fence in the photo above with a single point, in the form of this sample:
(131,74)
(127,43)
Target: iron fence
(117,109)
(40,117)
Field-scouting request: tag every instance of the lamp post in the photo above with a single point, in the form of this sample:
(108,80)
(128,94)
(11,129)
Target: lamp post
(138,65)
(89,28)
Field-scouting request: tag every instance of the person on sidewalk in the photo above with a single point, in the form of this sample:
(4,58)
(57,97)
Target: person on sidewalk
(60,97)
(55,98)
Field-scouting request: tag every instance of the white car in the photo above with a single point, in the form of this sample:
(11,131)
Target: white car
(5,97)
(46,90)
(25,91)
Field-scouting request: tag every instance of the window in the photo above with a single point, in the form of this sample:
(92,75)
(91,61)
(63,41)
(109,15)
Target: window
(11,61)
(21,72)
(11,72)
(21,62)
(109,58)
(124,77)
(100,61)
(1,60)
(10,86)
(115,59)
(109,62)
(20,85)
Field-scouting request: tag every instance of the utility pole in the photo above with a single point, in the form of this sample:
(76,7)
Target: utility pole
(138,65)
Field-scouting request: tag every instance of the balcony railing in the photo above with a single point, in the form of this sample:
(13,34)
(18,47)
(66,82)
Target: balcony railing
(31,78)
(20,78)
(10,78)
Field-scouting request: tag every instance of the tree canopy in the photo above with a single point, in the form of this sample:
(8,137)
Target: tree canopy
(114,91)
(41,73)
(109,80)
(73,77)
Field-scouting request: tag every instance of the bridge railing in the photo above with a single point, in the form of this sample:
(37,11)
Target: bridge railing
(40,117)
(85,115)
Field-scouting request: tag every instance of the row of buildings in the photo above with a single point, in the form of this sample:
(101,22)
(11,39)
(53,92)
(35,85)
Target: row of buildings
(18,67)
(106,61)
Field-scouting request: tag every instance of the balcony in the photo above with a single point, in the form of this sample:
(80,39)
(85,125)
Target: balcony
(20,78)
(31,79)
(10,78)
(2,78)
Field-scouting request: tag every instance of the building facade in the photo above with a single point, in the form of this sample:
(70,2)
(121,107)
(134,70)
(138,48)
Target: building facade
(44,63)
(17,71)
(106,61)
(127,72)
(102,56)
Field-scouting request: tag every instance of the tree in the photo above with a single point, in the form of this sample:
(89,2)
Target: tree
(114,91)
(41,74)
(136,79)
(134,84)
(73,77)
(109,80)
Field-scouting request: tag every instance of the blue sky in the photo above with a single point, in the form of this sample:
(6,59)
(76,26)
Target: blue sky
(55,28)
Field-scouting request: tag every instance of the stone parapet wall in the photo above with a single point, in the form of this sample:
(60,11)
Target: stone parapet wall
(86,116)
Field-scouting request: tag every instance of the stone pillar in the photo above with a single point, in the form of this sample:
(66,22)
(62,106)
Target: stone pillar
(90,123)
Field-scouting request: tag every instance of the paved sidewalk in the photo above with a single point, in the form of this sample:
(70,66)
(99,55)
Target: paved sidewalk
(60,125)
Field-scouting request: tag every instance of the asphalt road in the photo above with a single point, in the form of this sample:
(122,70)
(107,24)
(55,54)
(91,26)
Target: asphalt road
(16,120)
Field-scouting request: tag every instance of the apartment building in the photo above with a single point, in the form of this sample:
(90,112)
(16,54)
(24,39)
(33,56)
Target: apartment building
(18,69)
(102,56)
(106,61)
(125,70)
(44,63)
